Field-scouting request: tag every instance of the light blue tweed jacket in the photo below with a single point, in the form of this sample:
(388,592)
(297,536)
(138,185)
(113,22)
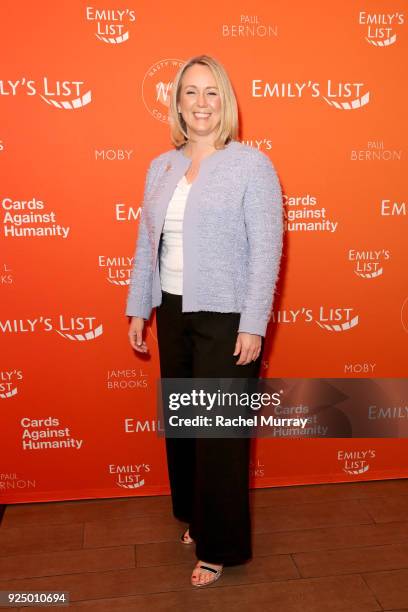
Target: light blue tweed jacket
(232,235)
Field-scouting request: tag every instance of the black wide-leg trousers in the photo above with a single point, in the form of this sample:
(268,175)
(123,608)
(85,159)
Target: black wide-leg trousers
(209,477)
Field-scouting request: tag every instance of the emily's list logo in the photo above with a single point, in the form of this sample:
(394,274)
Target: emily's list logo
(66,95)
(112,25)
(117,269)
(330,319)
(342,95)
(355,462)
(130,476)
(70,328)
(368,264)
(9,381)
(380,28)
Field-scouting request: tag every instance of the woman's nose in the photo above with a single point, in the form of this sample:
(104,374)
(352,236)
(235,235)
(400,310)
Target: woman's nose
(201,99)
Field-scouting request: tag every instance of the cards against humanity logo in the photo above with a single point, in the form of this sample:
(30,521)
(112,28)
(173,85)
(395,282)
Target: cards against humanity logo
(112,25)
(157,85)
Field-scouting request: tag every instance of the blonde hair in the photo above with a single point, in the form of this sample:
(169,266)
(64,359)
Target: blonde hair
(228,128)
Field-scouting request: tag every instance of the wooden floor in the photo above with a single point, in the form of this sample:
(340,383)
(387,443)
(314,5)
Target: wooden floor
(317,548)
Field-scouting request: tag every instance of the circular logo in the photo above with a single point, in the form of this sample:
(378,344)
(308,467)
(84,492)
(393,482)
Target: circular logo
(157,85)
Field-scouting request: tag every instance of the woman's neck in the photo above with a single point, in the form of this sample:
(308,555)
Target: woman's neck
(198,150)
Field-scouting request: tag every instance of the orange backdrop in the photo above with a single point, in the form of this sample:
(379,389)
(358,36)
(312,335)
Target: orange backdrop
(84,91)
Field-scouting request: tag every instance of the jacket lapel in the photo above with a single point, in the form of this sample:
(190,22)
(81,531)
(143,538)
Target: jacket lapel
(174,169)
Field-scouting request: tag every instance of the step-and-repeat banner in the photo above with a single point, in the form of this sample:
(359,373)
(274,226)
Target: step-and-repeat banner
(84,94)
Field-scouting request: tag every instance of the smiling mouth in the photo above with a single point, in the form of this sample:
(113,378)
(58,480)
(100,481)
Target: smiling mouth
(201,115)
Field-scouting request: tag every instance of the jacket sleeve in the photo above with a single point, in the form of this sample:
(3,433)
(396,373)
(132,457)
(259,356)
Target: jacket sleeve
(263,212)
(139,299)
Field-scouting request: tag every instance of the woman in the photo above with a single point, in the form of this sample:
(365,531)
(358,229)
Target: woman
(210,267)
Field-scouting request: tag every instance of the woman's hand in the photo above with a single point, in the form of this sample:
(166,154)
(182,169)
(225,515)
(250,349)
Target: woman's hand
(249,345)
(136,335)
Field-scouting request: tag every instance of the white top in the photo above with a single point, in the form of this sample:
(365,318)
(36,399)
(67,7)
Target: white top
(171,254)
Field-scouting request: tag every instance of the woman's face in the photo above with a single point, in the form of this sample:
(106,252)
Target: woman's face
(200,102)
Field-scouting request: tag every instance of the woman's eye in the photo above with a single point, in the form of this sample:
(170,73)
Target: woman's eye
(211,93)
